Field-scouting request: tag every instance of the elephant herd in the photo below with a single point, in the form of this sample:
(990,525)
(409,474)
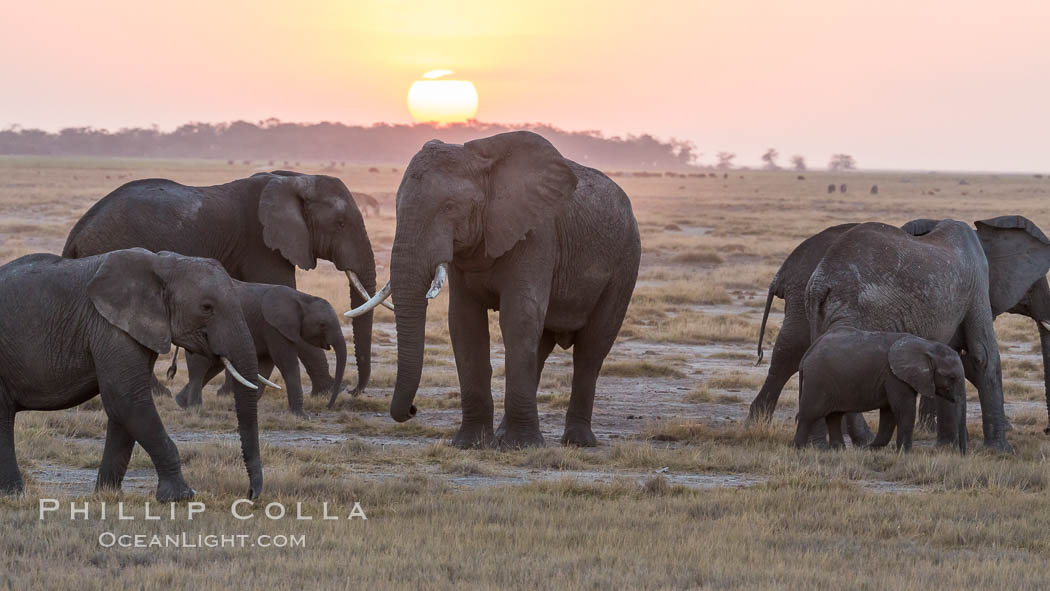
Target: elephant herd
(511,225)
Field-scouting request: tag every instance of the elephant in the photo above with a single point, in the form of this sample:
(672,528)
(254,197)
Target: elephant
(259,228)
(850,370)
(518,228)
(280,320)
(1006,266)
(366,202)
(877,277)
(76,328)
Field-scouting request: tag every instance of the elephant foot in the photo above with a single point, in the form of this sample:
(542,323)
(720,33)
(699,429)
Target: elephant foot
(474,435)
(760,413)
(513,437)
(174,490)
(302,414)
(579,435)
(1000,445)
(184,400)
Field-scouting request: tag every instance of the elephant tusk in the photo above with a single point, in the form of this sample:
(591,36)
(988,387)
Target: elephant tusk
(268,382)
(237,376)
(371,303)
(360,287)
(440,275)
(1045,324)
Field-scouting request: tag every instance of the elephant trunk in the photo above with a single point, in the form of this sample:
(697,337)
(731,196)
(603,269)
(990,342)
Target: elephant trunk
(960,416)
(362,328)
(240,352)
(335,338)
(409,287)
(1044,340)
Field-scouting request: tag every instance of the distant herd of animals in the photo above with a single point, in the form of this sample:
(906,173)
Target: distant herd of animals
(875,316)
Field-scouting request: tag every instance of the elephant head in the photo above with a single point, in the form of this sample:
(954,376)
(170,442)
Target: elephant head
(303,318)
(307,217)
(470,203)
(933,370)
(166,298)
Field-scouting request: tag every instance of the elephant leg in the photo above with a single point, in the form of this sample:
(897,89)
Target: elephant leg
(859,432)
(521,322)
(127,400)
(983,369)
(201,369)
(1044,341)
(804,430)
(834,425)
(887,424)
(904,409)
(10,477)
(316,364)
(547,343)
(591,344)
(791,344)
(115,456)
(468,327)
(287,362)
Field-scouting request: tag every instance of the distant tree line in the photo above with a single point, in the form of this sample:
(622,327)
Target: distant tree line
(276,140)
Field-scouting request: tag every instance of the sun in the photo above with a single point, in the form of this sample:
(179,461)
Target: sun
(438,100)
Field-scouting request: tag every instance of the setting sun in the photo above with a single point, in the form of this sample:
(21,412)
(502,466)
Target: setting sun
(439,100)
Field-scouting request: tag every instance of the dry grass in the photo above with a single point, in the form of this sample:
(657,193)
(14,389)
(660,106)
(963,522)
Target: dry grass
(625,515)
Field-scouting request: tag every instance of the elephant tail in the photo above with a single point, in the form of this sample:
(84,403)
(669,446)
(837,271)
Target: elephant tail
(174,367)
(765,316)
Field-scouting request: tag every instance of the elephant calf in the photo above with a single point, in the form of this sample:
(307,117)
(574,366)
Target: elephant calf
(281,321)
(73,329)
(850,370)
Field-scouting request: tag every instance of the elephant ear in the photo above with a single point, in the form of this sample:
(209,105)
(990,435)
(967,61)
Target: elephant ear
(281,211)
(528,182)
(920,226)
(128,293)
(910,361)
(1018,255)
(281,310)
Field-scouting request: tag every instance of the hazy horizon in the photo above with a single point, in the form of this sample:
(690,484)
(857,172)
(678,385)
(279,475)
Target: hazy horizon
(900,86)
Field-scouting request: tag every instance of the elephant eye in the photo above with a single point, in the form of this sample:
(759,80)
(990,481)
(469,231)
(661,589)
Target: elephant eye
(207,308)
(449,207)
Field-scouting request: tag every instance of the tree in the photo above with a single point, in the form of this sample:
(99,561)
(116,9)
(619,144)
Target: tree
(770,158)
(842,162)
(798,162)
(725,160)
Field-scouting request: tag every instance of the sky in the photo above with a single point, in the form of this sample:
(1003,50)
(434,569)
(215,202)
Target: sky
(916,84)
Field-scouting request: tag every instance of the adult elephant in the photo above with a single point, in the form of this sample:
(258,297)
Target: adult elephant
(1016,251)
(518,228)
(1018,256)
(260,228)
(74,329)
(936,286)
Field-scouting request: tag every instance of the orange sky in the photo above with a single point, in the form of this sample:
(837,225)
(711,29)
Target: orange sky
(898,84)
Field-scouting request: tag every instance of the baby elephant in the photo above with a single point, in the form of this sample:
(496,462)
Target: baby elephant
(849,370)
(281,320)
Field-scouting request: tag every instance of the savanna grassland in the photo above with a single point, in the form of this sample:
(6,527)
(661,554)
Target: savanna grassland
(680,493)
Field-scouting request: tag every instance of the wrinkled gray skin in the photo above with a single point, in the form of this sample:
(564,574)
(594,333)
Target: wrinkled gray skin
(73,329)
(849,370)
(1008,267)
(260,228)
(281,321)
(552,245)
(879,278)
